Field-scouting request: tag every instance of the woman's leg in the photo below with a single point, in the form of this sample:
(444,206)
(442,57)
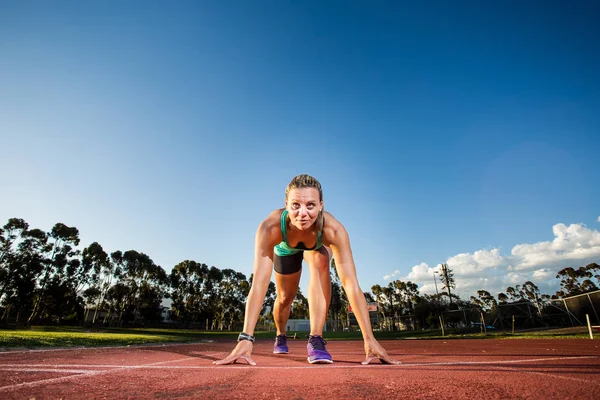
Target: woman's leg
(319,288)
(287,287)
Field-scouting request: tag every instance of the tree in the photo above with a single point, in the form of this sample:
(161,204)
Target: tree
(299,308)
(338,308)
(116,300)
(593,270)
(60,249)
(24,264)
(577,281)
(187,280)
(146,280)
(381,300)
(10,234)
(447,278)
(502,298)
(532,294)
(484,300)
(233,290)
(96,260)
(395,300)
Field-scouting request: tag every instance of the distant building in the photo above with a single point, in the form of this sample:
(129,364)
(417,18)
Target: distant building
(373,315)
(299,325)
(166,310)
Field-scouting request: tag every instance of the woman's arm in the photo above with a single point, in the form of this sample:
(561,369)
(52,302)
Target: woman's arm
(265,240)
(339,241)
(263,268)
(344,262)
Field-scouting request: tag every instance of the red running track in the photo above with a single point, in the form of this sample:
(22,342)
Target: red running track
(432,369)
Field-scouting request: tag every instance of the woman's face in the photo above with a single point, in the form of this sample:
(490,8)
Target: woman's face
(303,207)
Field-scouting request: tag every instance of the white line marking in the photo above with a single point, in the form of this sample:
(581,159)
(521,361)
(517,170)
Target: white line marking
(131,346)
(546,374)
(89,373)
(160,365)
(503,361)
(63,371)
(241,365)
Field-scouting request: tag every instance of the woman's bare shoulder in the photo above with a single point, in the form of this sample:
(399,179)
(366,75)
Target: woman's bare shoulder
(332,229)
(270,228)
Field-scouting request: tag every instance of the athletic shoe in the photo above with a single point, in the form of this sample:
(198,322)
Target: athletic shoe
(317,353)
(280,346)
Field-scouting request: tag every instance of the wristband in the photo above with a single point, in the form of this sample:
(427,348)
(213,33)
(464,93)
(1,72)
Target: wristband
(245,336)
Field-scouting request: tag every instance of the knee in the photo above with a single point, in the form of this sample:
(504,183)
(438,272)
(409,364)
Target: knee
(318,259)
(320,265)
(285,298)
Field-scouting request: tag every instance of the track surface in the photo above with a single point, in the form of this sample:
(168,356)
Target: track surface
(431,369)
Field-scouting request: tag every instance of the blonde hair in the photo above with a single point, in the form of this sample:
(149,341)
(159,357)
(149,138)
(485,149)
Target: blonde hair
(306,181)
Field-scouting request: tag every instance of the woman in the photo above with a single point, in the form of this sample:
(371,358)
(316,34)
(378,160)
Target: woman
(302,230)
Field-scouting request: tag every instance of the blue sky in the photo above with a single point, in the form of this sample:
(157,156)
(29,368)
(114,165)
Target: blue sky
(461,132)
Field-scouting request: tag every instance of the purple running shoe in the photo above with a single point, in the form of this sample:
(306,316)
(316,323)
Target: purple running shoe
(280,346)
(317,353)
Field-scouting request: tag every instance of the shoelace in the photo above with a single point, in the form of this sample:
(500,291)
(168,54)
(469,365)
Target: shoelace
(317,342)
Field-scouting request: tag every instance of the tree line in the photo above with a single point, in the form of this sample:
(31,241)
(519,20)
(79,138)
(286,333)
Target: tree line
(45,279)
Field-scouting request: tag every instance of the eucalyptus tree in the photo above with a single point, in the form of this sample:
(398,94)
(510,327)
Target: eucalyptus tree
(211,309)
(10,234)
(233,290)
(381,299)
(147,283)
(61,255)
(387,300)
(406,295)
(299,308)
(24,265)
(593,271)
(338,308)
(532,293)
(116,301)
(96,261)
(484,301)
(447,278)
(578,281)
(502,298)
(187,281)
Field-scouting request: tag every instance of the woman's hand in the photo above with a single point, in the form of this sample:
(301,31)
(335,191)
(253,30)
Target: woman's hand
(374,351)
(242,351)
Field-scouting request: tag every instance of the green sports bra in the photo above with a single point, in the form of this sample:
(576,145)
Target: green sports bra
(284,249)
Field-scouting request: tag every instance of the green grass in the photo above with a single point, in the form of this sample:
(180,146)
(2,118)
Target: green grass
(40,337)
(77,337)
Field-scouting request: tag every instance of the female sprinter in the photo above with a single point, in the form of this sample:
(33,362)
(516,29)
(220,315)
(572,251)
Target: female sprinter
(303,231)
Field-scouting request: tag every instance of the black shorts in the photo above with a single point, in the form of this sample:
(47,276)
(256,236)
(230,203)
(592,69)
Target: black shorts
(289,264)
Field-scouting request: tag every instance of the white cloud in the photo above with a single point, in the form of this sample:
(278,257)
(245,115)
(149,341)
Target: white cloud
(393,274)
(489,270)
(573,242)
(513,278)
(421,272)
(476,263)
(598,219)
(543,274)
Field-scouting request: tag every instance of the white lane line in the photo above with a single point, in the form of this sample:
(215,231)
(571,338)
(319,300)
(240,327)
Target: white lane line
(243,365)
(87,374)
(57,370)
(129,347)
(546,374)
(502,361)
(2,366)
